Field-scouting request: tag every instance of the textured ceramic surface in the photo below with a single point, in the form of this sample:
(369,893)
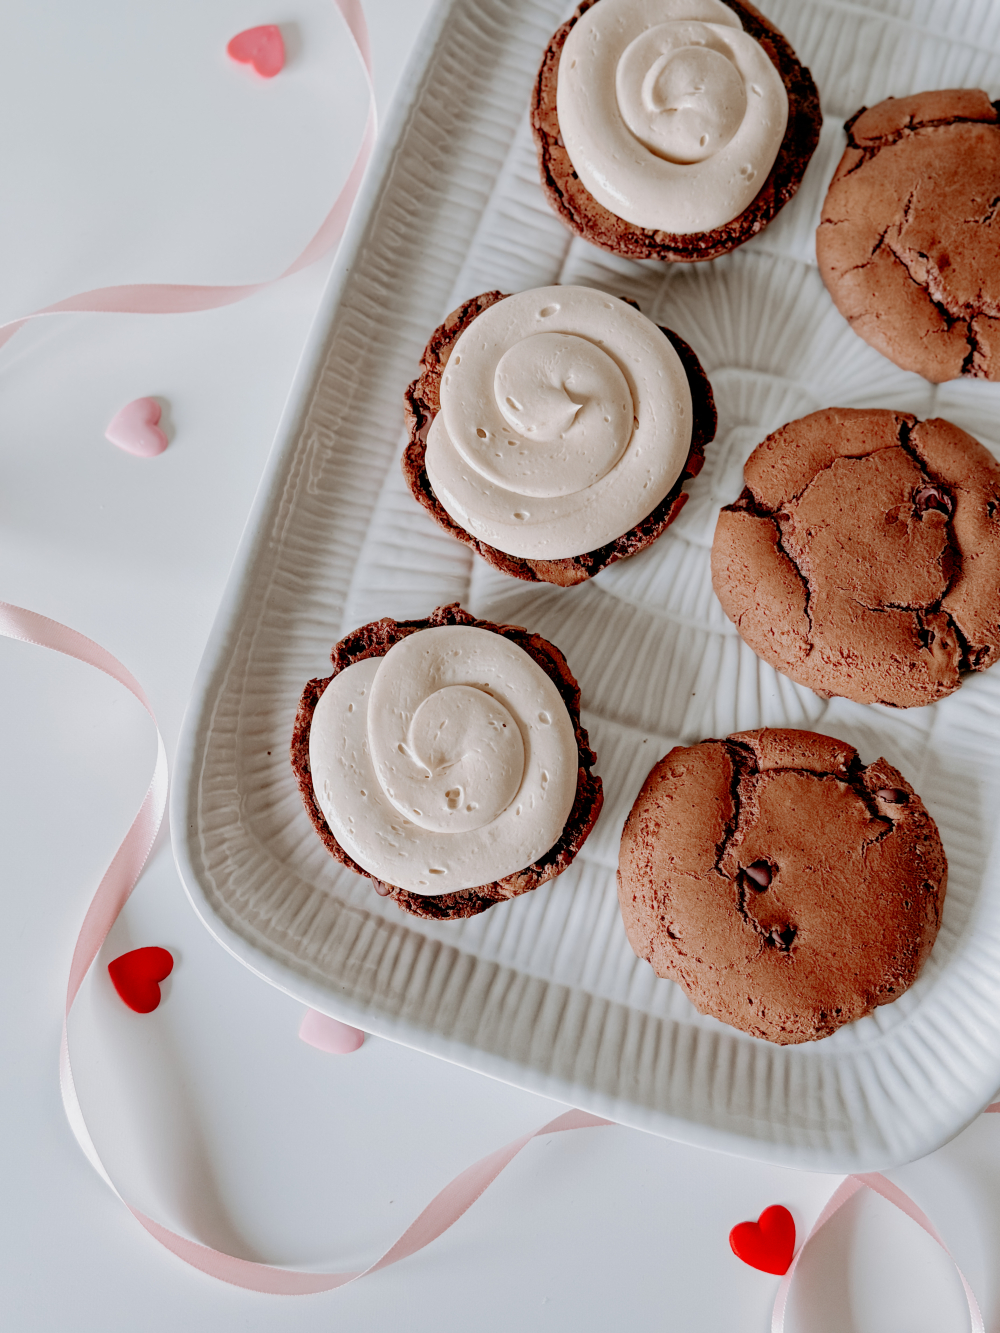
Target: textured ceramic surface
(545,991)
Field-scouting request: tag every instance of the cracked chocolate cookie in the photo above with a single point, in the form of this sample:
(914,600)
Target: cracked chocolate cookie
(863,557)
(785,885)
(909,239)
(464,712)
(678,86)
(588,446)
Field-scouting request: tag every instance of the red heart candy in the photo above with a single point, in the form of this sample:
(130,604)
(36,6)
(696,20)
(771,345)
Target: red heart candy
(261,47)
(136,975)
(768,1243)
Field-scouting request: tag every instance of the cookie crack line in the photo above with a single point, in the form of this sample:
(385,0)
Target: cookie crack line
(741,755)
(744,765)
(989,217)
(874,146)
(952,315)
(912,259)
(881,241)
(803,578)
(966,657)
(750,884)
(749,503)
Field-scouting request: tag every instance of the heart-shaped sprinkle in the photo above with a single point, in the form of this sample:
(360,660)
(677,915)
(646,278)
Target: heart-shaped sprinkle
(135,429)
(262,47)
(136,976)
(327,1034)
(768,1243)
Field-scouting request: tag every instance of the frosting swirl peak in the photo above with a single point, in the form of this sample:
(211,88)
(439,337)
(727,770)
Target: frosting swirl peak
(671,114)
(449,763)
(570,408)
(679,94)
(566,416)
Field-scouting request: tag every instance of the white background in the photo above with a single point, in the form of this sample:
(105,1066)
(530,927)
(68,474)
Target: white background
(134,150)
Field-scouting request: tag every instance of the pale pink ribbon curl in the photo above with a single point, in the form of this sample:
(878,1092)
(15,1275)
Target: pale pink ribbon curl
(112,893)
(880,1184)
(180,298)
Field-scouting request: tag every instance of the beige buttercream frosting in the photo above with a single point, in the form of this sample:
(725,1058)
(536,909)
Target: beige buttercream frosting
(565,419)
(671,114)
(448,763)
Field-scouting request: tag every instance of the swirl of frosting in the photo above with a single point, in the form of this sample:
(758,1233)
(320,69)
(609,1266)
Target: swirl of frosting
(565,419)
(448,763)
(671,114)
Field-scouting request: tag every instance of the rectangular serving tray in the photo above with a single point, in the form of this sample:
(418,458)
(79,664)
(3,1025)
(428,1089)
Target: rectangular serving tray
(544,991)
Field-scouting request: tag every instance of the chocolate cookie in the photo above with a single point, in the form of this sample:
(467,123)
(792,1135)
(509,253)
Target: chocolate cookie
(422,402)
(787,887)
(909,241)
(375,640)
(582,213)
(863,557)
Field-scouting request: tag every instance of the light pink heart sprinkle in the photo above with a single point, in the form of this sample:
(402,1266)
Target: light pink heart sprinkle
(262,47)
(135,429)
(327,1034)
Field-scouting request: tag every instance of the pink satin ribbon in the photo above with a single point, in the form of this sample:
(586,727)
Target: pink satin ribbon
(442,1211)
(880,1184)
(112,893)
(181,298)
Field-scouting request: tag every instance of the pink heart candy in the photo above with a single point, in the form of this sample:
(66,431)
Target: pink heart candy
(327,1034)
(135,429)
(261,47)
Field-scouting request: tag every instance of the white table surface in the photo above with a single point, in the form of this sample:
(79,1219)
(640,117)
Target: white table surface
(133,150)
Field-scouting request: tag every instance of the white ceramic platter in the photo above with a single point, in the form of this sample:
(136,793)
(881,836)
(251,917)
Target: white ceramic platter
(545,991)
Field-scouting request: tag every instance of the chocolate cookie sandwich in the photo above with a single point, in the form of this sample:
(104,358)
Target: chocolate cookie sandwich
(786,886)
(671,129)
(445,759)
(909,240)
(552,431)
(863,557)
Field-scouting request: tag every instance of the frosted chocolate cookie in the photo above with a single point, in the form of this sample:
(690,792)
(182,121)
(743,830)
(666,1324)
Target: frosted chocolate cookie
(785,885)
(863,557)
(909,240)
(445,759)
(552,431)
(671,129)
